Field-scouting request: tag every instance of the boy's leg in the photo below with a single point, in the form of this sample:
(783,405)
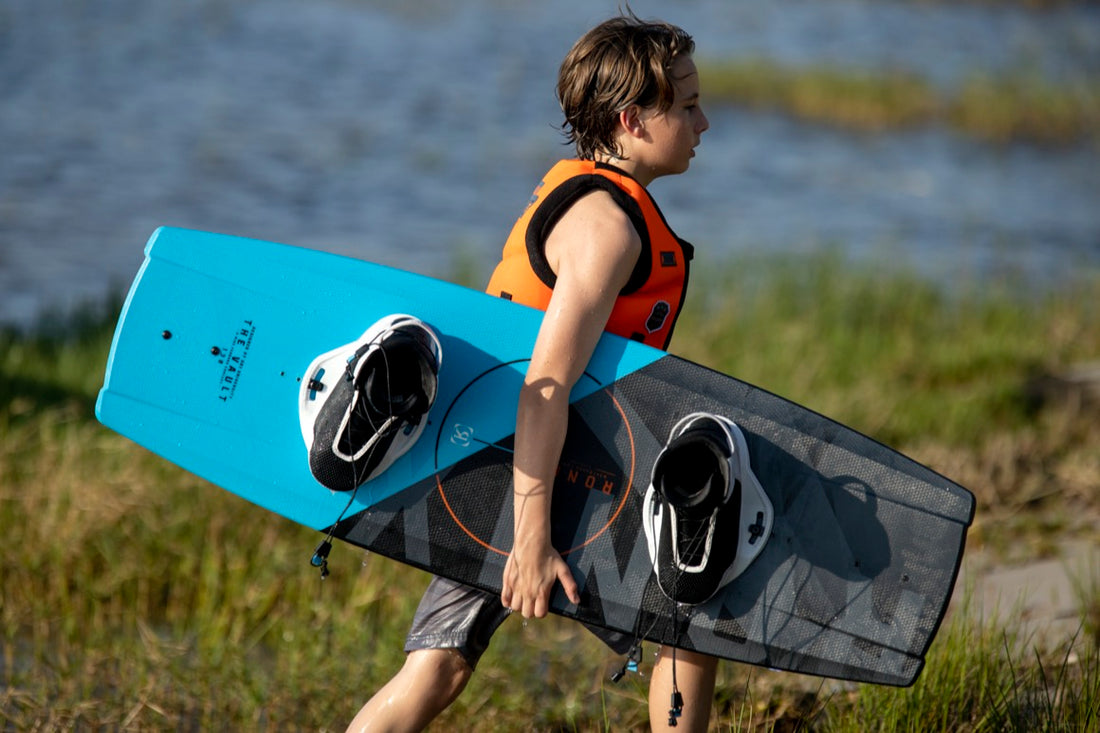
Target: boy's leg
(695,675)
(429,681)
(450,631)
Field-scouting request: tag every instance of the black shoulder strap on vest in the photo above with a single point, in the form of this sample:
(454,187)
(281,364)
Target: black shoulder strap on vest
(559,200)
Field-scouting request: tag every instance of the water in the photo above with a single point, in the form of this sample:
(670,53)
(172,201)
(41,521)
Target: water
(411,133)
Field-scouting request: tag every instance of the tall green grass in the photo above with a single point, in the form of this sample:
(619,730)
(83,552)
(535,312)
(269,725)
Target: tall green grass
(983,677)
(134,596)
(947,377)
(1019,107)
(889,352)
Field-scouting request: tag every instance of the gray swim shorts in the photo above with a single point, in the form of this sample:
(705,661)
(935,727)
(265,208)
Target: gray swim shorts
(456,616)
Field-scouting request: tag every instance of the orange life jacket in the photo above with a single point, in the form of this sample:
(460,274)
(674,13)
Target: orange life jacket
(647,308)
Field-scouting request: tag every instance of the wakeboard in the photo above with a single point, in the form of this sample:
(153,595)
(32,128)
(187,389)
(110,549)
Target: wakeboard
(218,334)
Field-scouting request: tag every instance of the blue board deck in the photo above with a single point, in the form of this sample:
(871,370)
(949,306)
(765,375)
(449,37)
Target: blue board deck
(217,333)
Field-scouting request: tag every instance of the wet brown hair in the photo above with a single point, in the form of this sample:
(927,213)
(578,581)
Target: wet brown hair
(620,62)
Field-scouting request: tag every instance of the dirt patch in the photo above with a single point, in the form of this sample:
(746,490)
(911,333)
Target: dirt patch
(1049,600)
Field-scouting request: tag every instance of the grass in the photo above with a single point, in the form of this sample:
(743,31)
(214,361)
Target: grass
(1018,107)
(980,677)
(948,379)
(135,596)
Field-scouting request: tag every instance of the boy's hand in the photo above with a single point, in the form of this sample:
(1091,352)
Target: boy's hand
(529,577)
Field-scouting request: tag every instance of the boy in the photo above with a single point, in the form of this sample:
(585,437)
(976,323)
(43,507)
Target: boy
(593,251)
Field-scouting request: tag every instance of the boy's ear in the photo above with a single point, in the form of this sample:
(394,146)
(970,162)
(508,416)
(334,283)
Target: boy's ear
(631,121)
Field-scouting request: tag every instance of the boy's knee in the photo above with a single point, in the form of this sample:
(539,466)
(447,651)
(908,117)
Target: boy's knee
(446,670)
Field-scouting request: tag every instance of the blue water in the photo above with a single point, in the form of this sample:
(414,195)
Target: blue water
(411,133)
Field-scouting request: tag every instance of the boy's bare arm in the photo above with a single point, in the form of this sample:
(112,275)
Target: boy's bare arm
(593,249)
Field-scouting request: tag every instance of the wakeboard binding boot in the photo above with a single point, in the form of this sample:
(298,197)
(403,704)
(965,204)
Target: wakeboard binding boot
(706,516)
(362,405)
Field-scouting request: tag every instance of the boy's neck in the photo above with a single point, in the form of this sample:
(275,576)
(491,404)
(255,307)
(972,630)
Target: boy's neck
(628,166)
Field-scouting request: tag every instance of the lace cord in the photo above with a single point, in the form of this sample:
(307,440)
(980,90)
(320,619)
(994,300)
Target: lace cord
(698,538)
(320,555)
